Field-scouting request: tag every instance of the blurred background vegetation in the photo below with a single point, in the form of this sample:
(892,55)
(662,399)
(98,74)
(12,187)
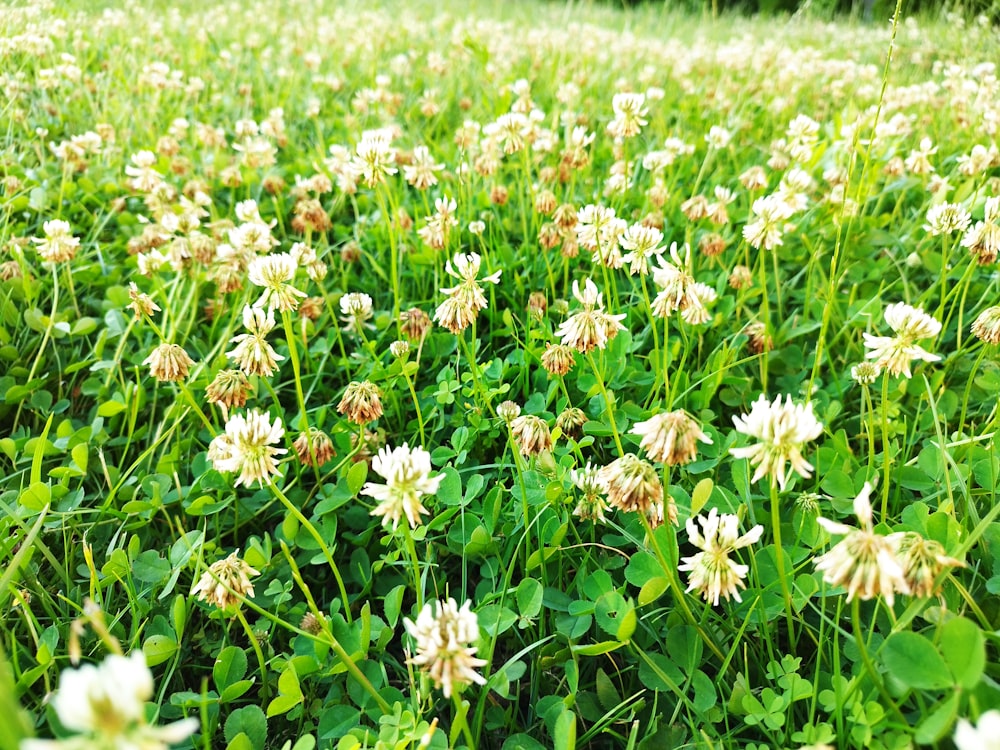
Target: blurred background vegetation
(862,9)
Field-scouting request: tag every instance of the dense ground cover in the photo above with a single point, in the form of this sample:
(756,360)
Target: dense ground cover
(538,377)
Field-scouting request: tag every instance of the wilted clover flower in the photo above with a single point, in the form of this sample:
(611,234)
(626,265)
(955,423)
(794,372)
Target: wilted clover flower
(168,362)
(986,327)
(558,359)
(247,448)
(442,641)
(893,353)
(671,437)
(361,403)
(407,478)
(531,434)
(863,562)
(107,705)
(414,323)
(228,388)
(225,582)
(923,560)
(571,421)
(712,572)
(632,484)
(782,428)
(313,447)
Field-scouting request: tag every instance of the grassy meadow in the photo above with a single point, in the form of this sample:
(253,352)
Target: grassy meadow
(501,376)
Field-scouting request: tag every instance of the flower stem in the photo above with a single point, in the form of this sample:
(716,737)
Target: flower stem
(607,401)
(411,550)
(461,710)
(670,573)
(314,533)
(886,455)
(264,692)
(331,639)
(779,561)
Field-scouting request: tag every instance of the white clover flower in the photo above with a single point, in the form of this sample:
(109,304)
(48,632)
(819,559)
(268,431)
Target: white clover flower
(671,437)
(865,563)
(718,137)
(247,447)
(894,353)
(59,244)
(442,643)
(712,573)
(273,272)
(108,704)
(225,581)
(421,173)
(592,504)
(946,218)
(437,230)
(679,290)
(253,354)
(983,238)
(630,115)
(765,230)
(641,242)
(782,428)
(407,478)
(984,736)
(356,311)
(592,327)
(375,157)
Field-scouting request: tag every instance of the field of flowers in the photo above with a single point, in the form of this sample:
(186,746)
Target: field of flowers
(421,375)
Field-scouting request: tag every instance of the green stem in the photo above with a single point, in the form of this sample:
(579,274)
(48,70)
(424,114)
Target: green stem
(886,453)
(255,645)
(416,404)
(470,357)
(45,339)
(866,660)
(524,495)
(411,550)
(607,401)
(461,711)
(779,561)
(331,639)
(670,572)
(968,386)
(314,533)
